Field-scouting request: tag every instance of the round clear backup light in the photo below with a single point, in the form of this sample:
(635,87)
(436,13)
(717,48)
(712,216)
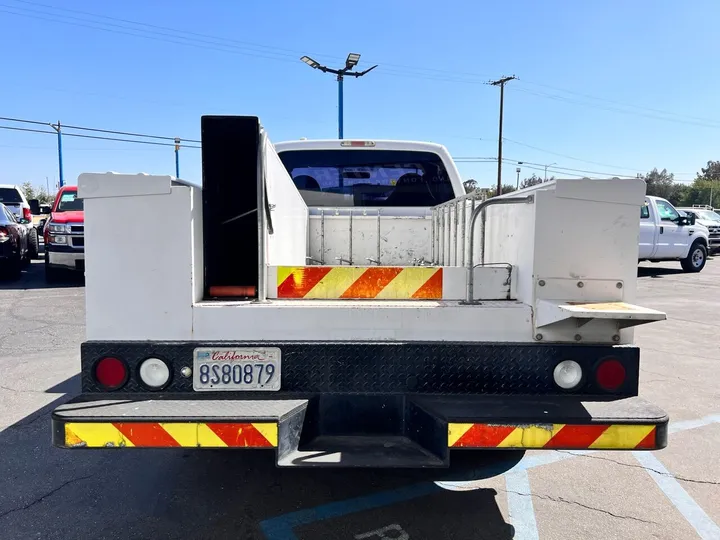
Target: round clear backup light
(568,374)
(154,373)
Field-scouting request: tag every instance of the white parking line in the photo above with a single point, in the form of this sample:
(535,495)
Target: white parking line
(520,506)
(691,511)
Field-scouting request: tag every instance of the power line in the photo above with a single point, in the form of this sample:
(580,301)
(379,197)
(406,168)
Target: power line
(96,130)
(96,137)
(565,99)
(588,96)
(222,44)
(292,53)
(215,43)
(569,157)
(66,126)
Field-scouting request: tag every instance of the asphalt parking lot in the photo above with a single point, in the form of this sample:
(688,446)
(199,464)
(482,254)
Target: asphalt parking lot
(142,494)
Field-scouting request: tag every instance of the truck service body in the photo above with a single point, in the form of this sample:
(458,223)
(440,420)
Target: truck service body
(345,304)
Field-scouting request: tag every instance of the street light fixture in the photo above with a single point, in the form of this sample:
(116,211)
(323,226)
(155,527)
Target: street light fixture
(351,61)
(546,168)
(517,185)
(310,62)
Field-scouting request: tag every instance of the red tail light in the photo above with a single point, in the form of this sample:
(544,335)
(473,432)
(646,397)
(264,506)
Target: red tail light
(27,214)
(112,373)
(4,234)
(610,374)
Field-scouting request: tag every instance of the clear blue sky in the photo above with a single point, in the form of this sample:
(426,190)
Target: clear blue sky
(628,85)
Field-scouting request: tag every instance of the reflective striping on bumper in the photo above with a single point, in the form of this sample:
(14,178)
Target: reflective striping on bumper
(556,436)
(349,282)
(171,435)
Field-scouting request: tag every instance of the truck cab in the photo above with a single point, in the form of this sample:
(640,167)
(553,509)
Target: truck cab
(64,234)
(668,234)
(706,216)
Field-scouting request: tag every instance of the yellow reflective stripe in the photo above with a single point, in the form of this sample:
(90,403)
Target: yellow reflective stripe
(406,283)
(530,436)
(184,433)
(207,438)
(456,431)
(283,272)
(269,431)
(336,282)
(94,435)
(622,436)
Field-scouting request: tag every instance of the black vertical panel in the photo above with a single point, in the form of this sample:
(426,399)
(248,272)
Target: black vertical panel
(229,161)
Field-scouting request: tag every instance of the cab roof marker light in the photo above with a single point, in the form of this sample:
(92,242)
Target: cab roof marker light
(357,144)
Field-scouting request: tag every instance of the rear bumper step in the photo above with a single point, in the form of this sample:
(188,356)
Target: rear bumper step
(363,431)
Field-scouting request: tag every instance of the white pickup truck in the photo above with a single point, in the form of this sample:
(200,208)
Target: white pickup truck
(667,234)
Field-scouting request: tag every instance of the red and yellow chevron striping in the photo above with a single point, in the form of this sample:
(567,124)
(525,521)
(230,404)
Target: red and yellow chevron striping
(170,434)
(561,436)
(383,282)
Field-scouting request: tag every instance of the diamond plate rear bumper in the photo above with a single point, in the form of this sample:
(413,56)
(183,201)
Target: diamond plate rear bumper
(311,368)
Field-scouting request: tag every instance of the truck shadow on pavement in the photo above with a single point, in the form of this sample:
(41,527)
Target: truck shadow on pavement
(144,493)
(658,271)
(33,277)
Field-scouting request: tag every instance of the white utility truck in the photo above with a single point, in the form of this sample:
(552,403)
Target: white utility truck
(667,234)
(345,304)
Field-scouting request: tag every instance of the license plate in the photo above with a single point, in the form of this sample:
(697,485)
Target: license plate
(230,368)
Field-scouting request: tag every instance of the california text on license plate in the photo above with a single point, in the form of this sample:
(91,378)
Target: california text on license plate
(236,368)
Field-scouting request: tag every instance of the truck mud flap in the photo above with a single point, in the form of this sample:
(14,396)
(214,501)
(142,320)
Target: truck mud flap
(363,431)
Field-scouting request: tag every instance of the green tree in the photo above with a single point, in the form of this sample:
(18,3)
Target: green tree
(532,181)
(662,184)
(711,172)
(28,190)
(43,196)
(506,188)
(701,191)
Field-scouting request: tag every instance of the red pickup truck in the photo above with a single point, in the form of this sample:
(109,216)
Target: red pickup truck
(64,235)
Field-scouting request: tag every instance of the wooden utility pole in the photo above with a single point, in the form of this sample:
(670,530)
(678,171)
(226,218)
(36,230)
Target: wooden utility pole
(501,83)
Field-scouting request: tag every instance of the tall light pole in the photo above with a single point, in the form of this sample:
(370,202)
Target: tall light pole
(57,128)
(517,185)
(711,192)
(177,157)
(546,168)
(351,61)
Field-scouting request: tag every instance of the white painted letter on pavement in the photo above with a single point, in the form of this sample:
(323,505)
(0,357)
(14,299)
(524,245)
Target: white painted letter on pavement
(397,534)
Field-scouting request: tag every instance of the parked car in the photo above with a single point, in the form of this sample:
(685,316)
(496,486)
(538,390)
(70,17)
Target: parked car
(710,219)
(64,235)
(13,198)
(667,234)
(14,252)
(40,213)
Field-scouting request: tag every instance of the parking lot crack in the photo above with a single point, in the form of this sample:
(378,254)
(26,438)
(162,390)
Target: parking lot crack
(21,391)
(576,503)
(44,496)
(638,466)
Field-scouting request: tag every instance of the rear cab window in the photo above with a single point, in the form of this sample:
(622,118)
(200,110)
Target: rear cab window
(68,201)
(645,211)
(10,195)
(361,178)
